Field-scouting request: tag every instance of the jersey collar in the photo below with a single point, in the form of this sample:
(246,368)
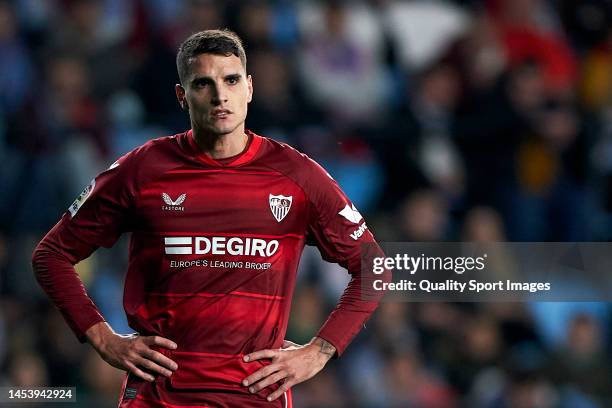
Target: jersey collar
(242,158)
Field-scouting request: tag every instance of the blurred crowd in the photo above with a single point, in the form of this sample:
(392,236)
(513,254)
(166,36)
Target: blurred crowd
(460,120)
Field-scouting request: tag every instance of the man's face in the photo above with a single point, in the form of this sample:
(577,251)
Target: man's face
(216,92)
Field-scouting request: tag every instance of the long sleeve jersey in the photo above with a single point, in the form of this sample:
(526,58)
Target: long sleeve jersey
(214,251)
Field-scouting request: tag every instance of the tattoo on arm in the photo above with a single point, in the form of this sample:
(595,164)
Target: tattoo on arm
(327,348)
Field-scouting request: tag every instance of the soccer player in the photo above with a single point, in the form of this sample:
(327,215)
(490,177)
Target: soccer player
(219,217)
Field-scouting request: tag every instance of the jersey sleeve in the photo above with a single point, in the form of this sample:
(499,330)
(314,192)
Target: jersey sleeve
(337,228)
(96,218)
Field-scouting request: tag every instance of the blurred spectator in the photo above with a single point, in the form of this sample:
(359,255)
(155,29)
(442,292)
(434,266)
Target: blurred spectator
(416,147)
(483,224)
(342,48)
(582,362)
(311,312)
(63,112)
(255,22)
(596,81)
(62,349)
(587,22)
(128,130)
(392,330)
(489,129)
(16,71)
(264,25)
(27,370)
(422,30)
(479,55)
(87,32)
(322,391)
(525,28)
(440,328)
(277,108)
(423,217)
(525,387)
(551,165)
(348,159)
(197,15)
(482,350)
(411,384)
(101,381)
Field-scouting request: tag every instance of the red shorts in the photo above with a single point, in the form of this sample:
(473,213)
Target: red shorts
(136,393)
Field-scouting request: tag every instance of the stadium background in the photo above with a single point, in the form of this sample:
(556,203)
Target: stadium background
(464,120)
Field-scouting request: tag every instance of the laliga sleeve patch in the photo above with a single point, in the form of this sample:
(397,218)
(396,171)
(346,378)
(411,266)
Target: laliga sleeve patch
(351,214)
(74,207)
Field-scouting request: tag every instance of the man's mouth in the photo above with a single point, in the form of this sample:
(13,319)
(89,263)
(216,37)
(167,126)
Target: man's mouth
(221,113)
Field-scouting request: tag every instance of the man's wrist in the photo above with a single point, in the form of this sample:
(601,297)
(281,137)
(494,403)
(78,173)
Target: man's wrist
(324,348)
(97,334)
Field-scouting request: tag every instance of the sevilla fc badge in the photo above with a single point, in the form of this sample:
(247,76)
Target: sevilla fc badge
(280,206)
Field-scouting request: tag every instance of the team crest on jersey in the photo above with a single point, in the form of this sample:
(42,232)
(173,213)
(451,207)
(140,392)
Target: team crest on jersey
(173,205)
(280,206)
(74,207)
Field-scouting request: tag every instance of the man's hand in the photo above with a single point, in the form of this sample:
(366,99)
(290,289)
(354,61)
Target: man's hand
(129,352)
(291,365)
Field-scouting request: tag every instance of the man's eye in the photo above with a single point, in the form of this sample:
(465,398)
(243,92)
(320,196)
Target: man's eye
(232,81)
(200,83)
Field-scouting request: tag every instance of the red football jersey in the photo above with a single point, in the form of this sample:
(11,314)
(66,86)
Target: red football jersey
(214,252)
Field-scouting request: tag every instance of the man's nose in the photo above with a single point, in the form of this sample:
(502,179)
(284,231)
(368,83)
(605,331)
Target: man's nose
(219,95)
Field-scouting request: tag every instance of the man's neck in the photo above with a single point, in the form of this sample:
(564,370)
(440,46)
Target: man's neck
(221,146)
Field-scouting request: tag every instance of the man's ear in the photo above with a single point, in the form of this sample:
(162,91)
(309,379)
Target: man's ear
(250,86)
(180,96)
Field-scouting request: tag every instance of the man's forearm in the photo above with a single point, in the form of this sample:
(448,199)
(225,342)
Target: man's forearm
(57,277)
(356,304)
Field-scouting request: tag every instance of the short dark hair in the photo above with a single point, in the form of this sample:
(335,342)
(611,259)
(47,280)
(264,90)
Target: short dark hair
(218,42)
